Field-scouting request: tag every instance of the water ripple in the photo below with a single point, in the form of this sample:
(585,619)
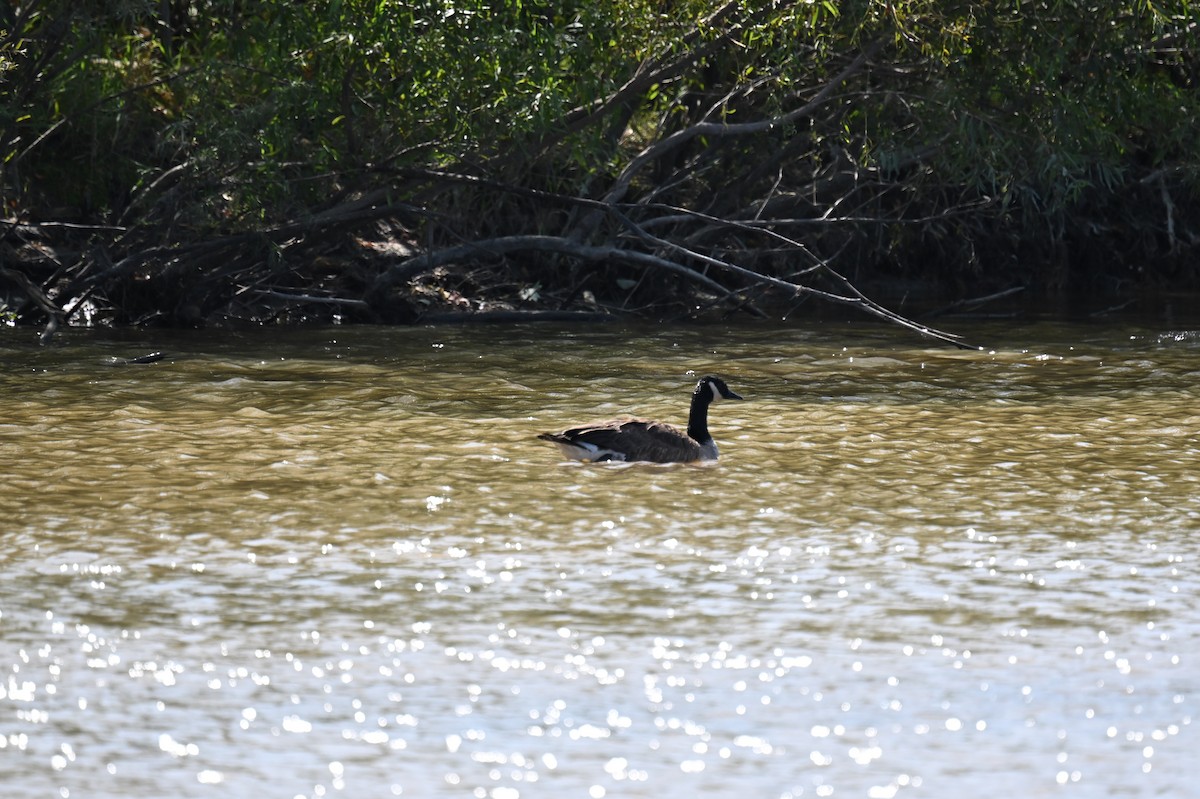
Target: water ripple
(340,561)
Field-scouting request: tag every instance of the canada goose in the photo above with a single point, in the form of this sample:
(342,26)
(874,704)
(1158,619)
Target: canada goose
(645,440)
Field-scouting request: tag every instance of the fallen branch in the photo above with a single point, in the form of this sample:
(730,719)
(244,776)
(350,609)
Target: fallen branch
(377,295)
(854,297)
(39,298)
(975,302)
(311,298)
(509,317)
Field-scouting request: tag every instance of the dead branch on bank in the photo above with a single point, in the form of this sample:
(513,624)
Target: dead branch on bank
(508,245)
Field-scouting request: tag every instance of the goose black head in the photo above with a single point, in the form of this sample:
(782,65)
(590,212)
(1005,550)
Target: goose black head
(716,388)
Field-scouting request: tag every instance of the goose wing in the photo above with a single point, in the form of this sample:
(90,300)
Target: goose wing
(633,440)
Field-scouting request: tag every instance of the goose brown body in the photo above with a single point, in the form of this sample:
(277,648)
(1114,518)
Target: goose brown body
(646,440)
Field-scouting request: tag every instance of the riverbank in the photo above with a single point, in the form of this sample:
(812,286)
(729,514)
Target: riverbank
(265,165)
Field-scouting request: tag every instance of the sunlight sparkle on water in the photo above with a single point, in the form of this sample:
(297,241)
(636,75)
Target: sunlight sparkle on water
(286,577)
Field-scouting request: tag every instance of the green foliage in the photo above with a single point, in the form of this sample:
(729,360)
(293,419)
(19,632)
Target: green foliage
(265,100)
(207,115)
(1055,97)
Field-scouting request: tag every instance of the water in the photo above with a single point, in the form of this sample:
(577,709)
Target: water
(337,562)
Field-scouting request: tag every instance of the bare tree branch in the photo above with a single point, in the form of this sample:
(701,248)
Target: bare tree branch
(717,129)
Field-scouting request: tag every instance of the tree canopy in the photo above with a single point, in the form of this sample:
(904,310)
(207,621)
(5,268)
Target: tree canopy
(193,161)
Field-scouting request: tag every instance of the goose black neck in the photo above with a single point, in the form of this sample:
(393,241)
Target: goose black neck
(697,428)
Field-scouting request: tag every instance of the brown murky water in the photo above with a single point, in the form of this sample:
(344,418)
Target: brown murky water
(338,563)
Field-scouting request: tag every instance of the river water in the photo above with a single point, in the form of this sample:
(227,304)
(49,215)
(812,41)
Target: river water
(338,563)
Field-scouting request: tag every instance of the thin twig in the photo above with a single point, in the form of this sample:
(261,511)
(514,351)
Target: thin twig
(975,302)
(311,298)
